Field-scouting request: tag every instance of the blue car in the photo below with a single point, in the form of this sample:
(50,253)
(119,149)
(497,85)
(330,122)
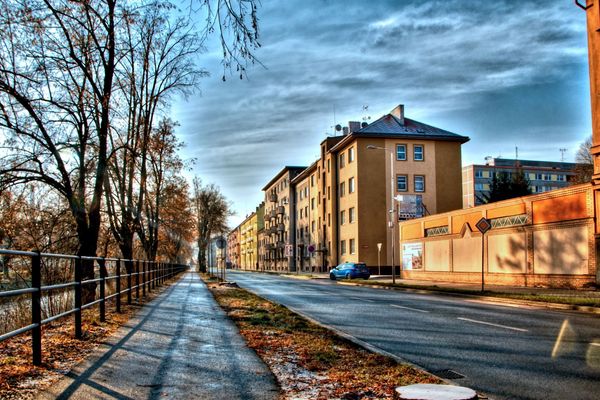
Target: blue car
(350,270)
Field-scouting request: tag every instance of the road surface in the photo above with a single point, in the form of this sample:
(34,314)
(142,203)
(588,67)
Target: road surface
(506,352)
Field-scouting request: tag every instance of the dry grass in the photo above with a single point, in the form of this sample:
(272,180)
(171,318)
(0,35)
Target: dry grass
(309,361)
(61,351)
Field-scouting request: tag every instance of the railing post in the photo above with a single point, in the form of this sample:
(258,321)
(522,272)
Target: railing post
(78,289)
(102,264)
(143,278)
(36,308)
(118,288)
(153,275)
(137,281)
(129,270)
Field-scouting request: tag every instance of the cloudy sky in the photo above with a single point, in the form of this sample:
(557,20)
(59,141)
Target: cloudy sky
(505,73)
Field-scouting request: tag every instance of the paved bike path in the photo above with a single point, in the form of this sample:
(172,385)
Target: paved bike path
(179,346)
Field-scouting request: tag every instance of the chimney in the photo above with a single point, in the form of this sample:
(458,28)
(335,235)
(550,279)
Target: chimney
(345,130)
(354,126)
(398,112)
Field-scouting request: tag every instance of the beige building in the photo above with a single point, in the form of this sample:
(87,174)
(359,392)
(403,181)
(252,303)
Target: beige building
(279,221)
(307,230)
(249,242)
(233,248)
(362,171)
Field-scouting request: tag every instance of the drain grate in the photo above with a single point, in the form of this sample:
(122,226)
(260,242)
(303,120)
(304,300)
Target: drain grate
(448,374)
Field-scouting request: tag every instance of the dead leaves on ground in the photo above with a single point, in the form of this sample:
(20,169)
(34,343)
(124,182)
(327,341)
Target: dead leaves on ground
(311,362)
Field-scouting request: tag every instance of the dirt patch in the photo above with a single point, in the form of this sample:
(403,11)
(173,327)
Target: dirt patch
(309,361)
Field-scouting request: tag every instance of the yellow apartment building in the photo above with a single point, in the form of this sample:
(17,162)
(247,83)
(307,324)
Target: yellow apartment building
(360,176)
(249,242)
(307,230)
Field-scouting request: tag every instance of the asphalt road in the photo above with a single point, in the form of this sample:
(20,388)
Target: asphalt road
(506,352)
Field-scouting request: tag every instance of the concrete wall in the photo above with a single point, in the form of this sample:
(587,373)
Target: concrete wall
(546,239)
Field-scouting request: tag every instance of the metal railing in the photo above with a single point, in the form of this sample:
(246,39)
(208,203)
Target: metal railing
(148,275)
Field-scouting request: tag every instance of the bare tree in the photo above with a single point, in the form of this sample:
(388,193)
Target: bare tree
(211,211)
(158,63)
(585,162)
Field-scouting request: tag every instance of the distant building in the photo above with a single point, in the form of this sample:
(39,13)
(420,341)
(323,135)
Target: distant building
(233,248)
(543,176)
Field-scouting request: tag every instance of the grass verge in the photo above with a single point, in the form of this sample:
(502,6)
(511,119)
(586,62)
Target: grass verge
(574,298)
(311,362)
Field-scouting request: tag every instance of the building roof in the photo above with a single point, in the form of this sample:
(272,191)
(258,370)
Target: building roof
(285,169)
(390,126)
(305,173)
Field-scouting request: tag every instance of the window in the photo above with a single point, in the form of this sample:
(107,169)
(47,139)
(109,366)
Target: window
(312,180)
(538,177)
(328,219)
(479,174)
(402,183)
(560,178)
(312,203)
(401,152)
(419,183)
(351,214)
(342,246)
(418,152)
(351,185)
(547,177)
(301,213)
(306,191)
(342,189)
(312,227)
(342,160)
(351,154)
(328,192)
(306,211)
(479,186)
(352,246)
(342,217)
(328,164)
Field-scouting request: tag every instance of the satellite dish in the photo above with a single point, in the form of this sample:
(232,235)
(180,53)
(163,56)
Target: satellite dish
(338,127)
(364,124)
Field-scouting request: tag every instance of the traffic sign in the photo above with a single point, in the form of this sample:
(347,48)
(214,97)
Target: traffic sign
(483,225)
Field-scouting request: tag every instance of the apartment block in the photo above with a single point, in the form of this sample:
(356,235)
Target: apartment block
(309,238)
(279,240)
(233,248)
(543,176)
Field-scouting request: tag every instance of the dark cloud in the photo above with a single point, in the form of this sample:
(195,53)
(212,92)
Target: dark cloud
(502,72)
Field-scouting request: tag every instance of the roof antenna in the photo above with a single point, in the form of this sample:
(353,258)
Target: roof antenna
(562,154)
(516,152)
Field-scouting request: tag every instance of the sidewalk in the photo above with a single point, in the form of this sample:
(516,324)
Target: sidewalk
(180,346)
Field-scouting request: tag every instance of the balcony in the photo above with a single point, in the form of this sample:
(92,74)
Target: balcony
(280,228)
(273,214)
(280,245)
(273,198)
(281,210)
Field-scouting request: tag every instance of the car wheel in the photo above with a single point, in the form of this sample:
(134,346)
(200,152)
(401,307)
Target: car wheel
(332,277)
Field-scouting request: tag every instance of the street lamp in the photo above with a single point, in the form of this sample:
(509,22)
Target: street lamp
(391,211)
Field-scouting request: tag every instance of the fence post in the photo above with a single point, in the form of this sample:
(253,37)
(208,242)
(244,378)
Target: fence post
(78,289)
(129,270)
(143,278)
(102,263)
(153,275)
(137,281)
(118,288)
(36,308)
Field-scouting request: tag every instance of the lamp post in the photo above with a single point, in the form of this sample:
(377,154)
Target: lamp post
(391,211)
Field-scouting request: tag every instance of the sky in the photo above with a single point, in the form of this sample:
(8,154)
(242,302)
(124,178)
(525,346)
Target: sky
(506,73)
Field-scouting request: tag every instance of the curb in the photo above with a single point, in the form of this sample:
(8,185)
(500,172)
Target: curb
(489,299)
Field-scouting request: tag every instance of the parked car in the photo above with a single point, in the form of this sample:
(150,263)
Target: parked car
(350,270)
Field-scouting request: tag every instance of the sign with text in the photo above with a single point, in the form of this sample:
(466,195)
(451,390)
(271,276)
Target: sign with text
(412,256)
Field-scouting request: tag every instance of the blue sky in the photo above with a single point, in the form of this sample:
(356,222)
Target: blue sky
(505,73)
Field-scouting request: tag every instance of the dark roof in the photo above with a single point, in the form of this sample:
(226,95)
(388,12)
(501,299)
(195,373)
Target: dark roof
(305,173)
(294,170)
(391,125)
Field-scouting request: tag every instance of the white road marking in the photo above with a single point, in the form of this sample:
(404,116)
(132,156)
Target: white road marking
(496,325)
(409,308)
(358,298)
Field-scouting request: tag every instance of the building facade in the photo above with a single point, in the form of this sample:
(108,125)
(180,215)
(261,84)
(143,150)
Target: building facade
(233,248)
(543,176)
(279,221)
(249,242)
(363,173)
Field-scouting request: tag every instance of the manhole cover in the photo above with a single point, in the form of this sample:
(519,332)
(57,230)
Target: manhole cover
(448,374)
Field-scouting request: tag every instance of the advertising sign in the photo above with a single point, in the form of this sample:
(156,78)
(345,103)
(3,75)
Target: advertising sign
(410,206)
(412,256)
(289,250)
